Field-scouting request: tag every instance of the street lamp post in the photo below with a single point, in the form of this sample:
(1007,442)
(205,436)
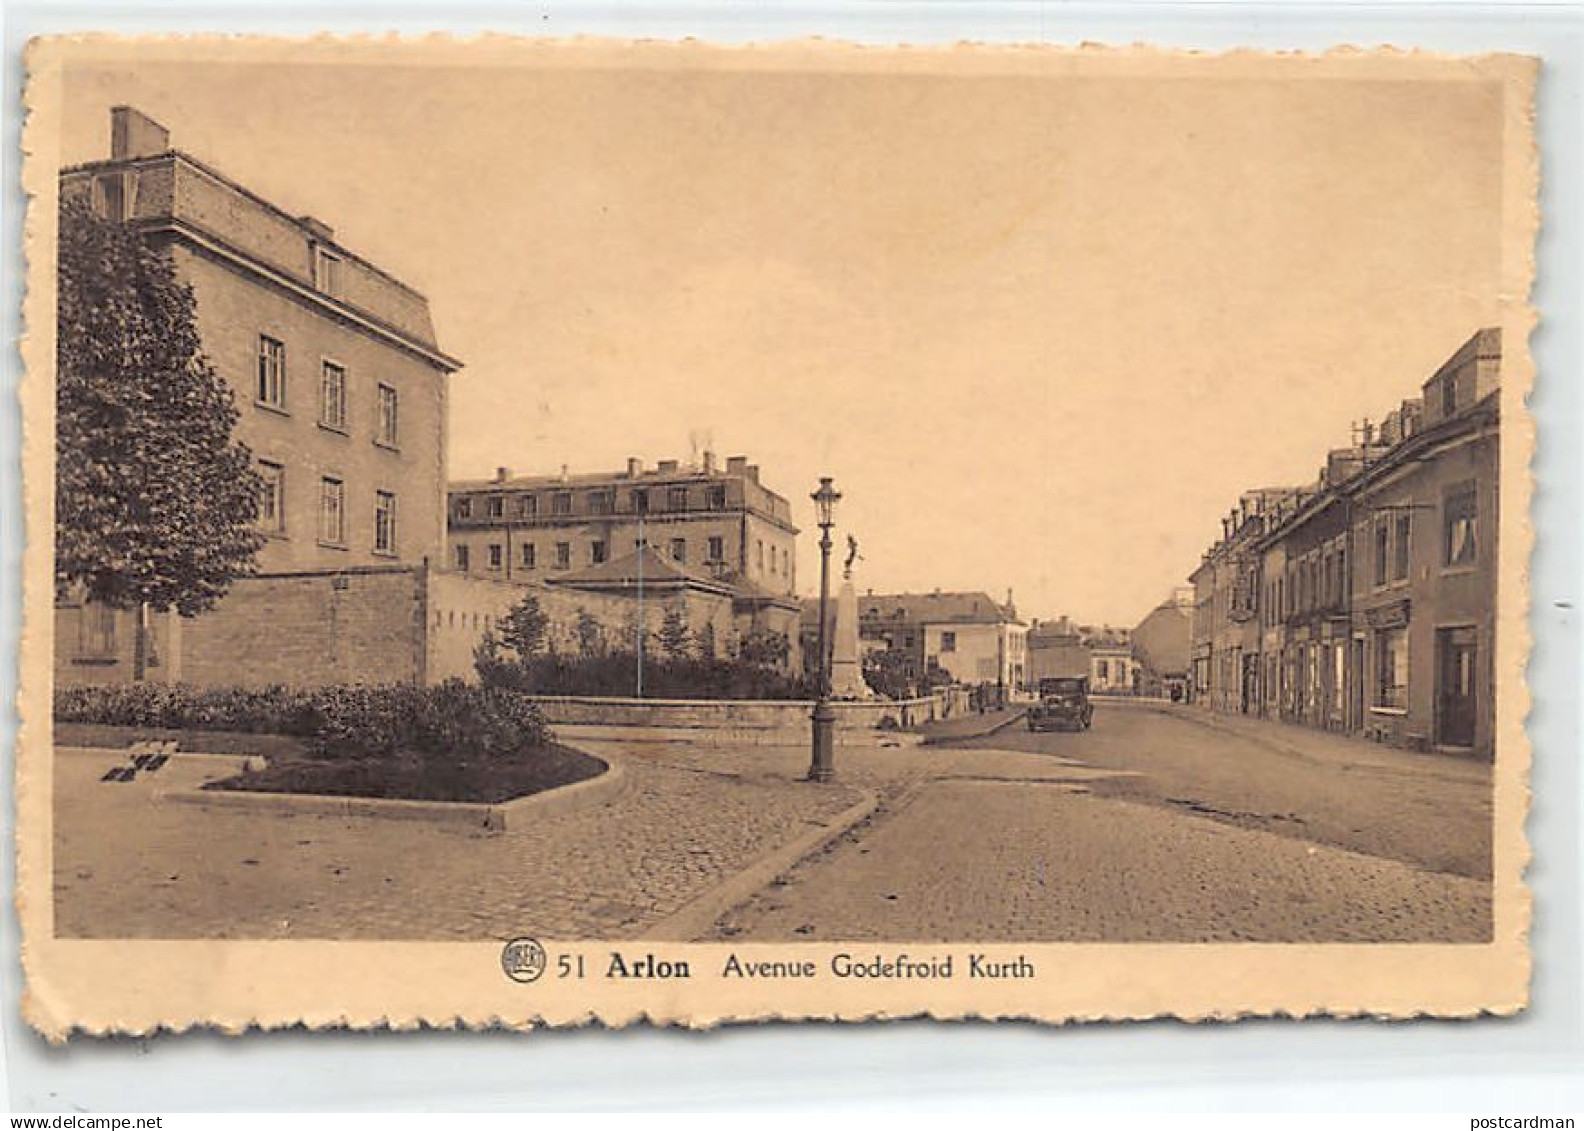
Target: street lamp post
(822,767)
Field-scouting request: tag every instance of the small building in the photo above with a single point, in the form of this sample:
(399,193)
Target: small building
(1055,649)
(1162,645)
(967,637)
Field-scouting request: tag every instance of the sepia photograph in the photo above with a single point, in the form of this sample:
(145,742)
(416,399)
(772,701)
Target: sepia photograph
(783,531)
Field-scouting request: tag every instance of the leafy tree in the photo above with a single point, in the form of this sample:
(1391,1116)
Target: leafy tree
(155,503)
(526,628)
(765,649)
(891,672)
(707,647)
(590,634)
(675,638)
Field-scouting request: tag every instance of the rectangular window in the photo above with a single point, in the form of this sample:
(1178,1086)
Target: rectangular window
(1448,396)
(332,396)
(462,562)
(600,502)
(596,552)
(760,553)
(272,499)
(495,506)
(495,556)
(1404,532)
(384,522)
(389,428)
(97,639)
(115,196)
(272,372)
(717,549)
(1382,550)
(949,643)
(717,498)
(640,502)
(561,503)
(464,507)
(327,270)
(1391,669)
(528,505)
(1459,517)
(332,511)
(679,549)
(529,558)
(677,498)
(563,557)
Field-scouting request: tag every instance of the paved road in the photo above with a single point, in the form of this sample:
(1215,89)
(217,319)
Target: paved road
(1179,833)
(1432,811)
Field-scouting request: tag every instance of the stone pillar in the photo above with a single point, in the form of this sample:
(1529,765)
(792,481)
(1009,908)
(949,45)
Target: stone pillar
(847,681)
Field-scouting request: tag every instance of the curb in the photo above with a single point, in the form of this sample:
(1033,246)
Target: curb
(933,740)
(696,916)
(494,818)
(731,737)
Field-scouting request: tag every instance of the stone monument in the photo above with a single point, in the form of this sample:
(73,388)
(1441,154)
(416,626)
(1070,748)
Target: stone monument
(847,681)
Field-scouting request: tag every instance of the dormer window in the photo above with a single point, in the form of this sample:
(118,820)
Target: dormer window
(327,270)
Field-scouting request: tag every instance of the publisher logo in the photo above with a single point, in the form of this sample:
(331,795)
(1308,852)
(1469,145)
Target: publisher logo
(523,960)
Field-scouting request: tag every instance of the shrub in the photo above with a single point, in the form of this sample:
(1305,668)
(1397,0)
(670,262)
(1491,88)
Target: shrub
(453,722)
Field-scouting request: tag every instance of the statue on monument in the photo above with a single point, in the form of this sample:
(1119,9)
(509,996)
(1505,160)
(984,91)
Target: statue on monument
(847,681)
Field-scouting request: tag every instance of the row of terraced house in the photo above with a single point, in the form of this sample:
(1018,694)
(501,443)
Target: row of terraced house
(1365,601)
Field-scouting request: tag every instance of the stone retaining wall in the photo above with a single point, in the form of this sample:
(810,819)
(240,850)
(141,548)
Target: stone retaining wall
(734,714)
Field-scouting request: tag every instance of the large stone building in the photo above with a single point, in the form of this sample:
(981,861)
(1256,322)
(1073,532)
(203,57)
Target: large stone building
(341,386)
(709,533)
(1374,589)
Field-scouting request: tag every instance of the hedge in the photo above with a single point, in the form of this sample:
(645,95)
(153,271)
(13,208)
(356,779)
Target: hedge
(453,720)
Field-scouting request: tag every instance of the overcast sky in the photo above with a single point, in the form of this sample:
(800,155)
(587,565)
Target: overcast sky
(1041,329)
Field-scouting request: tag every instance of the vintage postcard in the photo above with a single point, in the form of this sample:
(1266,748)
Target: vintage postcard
(523,532)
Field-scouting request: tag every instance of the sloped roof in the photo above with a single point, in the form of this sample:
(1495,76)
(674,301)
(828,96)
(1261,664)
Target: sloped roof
(926,608)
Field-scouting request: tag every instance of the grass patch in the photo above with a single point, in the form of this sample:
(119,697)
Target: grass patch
(410,777)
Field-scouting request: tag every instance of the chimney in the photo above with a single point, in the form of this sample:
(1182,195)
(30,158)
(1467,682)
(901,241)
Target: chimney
(134,134)
(666,467)
(319,229)
(736,465)
(634,467)
(564,473)
(752,471)
(502,474)
(709,462)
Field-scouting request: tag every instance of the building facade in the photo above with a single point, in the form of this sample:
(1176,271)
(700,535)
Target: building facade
(1055,649)
(334,367)
(1226,662)
(969,637)
(1375,587)
(718,521)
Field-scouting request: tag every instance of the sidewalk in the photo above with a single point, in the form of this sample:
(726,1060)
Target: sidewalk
(1321,746)
(973,725)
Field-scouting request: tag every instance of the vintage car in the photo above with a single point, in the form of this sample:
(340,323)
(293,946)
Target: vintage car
(1063,702)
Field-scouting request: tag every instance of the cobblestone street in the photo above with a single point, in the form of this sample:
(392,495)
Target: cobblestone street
(1152,826)
(128,865)
(1185,832)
